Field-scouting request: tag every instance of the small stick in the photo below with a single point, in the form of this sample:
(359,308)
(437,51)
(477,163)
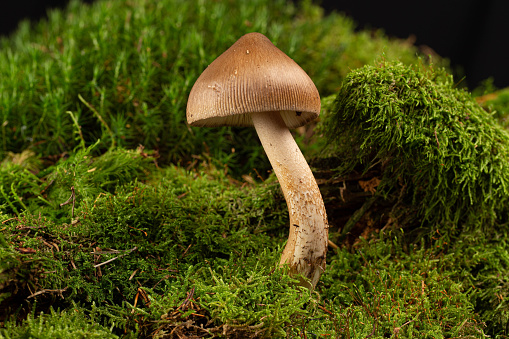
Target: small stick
(106,252)
(48,291)
(144,296)
(397,329)
(28,227)
(333,245)
(112,259)
(15,218)
(373,332)
(436,137)
(258,175)
(187,249)
(71,198)
(190,294)
(324,309)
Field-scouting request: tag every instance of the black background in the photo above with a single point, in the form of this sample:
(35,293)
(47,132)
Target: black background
(473,34)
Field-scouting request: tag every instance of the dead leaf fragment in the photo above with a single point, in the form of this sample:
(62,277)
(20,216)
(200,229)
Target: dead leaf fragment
(370,185)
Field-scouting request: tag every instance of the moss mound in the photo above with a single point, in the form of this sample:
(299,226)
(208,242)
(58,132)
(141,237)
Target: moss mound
(421,156)
(443,159)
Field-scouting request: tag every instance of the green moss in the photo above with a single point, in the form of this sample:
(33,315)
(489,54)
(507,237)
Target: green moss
(196,239)
(441,162)
(441,156)
(124,70)
(80,177)
(72,323)
(497,102)
(242,298)
(385,290)
(153,233)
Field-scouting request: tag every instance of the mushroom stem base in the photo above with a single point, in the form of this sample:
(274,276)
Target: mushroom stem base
(307,243)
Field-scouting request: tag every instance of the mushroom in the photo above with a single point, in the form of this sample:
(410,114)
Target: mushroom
(253,83)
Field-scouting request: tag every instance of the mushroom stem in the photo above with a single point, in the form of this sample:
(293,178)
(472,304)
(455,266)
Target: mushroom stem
(307,243)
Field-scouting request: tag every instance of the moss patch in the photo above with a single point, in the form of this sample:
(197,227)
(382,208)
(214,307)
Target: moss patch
(441,155)
(123,71)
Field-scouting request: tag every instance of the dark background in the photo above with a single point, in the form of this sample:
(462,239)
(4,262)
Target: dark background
(473,34)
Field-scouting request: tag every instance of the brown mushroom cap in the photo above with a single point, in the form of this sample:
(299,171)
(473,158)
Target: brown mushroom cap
(253,75)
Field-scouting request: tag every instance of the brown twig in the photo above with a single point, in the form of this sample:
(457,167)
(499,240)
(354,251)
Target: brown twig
(258,175)
(47,186)
(132,275)
(333,245)
(187,249)
(72,199)
(324,309)
(112,259)
(372,332)
(48,291)
(15,218)
(28,227)
(190,294)
(397,329)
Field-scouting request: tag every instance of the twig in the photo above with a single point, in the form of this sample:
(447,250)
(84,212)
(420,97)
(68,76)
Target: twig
(144,296)
(258,175)
(71,198)
(187,249)
(182,195)
(333,245)
(397,329)
(48,291)
(341,190)
(132,275)
(189,297)
(107,252)
(112,259)
(47,186)
(28,227)
(324,309)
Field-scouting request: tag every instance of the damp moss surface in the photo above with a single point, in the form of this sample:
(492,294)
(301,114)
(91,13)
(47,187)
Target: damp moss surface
(117,220)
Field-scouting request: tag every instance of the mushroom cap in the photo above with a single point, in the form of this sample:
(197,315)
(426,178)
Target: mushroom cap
(253,75)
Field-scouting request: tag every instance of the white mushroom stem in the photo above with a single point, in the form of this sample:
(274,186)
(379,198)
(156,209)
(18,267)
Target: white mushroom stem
(307,243)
